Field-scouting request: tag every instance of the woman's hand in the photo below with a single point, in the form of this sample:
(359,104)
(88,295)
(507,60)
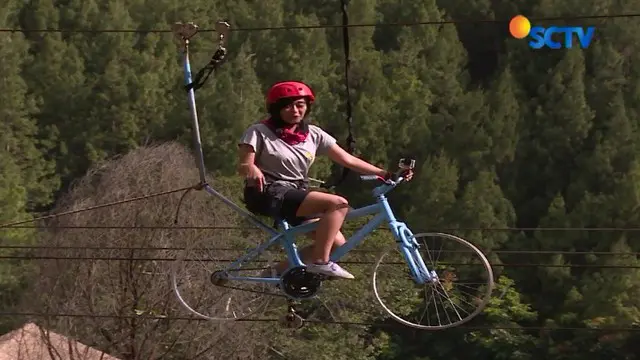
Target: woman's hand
(407,174)
(255,177)
(248,168)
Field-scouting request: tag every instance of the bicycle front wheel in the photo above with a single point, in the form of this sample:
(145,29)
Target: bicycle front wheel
(461,290)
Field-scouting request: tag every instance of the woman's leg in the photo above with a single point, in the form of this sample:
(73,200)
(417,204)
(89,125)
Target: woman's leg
(330,211)
(306,252)
(333,209)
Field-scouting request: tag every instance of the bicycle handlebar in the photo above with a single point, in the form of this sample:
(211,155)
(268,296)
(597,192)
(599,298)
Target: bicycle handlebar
(381,179)
(389,184)
(371,177)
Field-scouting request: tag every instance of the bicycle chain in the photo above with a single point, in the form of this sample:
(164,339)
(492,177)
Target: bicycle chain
(284,296)
(253,291)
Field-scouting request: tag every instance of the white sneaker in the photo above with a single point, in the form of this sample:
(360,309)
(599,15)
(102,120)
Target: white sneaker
(330,269)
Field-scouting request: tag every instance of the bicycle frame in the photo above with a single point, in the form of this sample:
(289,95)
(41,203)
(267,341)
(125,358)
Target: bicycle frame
(382,211)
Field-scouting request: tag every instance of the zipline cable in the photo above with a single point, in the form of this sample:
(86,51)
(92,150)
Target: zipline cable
(331,26)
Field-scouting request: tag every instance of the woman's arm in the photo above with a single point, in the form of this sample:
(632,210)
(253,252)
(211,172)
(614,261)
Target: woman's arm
(247,167)
(246,159)
(337,154)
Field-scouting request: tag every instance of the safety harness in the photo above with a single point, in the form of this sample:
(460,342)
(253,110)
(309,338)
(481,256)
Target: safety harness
(222,28)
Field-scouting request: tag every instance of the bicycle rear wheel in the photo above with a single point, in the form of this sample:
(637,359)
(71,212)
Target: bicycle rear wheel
(195,283)
(463,285)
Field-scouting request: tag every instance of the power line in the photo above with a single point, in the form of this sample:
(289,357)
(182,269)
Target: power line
(174,248)
(330,26)
(90,208)
(317,322)
(246,228)
(347,262)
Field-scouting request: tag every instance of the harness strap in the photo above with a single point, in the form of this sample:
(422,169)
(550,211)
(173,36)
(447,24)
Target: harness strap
(201,76)
(222,28)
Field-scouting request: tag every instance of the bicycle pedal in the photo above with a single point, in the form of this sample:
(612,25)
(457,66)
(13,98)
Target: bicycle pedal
(292,321)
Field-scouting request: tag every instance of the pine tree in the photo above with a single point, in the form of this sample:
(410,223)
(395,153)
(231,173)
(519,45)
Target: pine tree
(557,125)
(26,178)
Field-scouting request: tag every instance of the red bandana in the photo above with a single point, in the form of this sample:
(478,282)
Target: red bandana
(287,135)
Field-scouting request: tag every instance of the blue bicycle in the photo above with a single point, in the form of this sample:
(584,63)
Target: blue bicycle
(395,281)
(231,289)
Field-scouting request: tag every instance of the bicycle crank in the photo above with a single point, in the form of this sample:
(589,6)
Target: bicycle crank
(298,283)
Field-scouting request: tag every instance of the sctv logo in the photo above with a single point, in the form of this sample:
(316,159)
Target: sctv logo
(520,27)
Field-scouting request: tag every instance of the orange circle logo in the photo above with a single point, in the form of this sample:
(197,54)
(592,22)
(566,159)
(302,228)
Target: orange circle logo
(519,27)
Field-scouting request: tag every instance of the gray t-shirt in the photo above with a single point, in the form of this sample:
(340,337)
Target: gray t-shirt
(281,161)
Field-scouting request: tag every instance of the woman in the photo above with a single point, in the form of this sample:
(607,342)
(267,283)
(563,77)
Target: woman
(275,156)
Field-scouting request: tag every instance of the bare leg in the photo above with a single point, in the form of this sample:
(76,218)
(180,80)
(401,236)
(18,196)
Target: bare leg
(333,209)
(307,252)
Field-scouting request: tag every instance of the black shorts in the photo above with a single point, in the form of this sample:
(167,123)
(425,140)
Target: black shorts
(279,200)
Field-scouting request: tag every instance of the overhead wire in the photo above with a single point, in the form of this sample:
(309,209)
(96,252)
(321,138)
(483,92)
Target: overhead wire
(317,322)
(356,250)
(331,26)
(96,207)
(246,228)
(346,262)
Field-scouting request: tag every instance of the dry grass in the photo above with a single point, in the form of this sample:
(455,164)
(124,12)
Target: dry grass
(134,286)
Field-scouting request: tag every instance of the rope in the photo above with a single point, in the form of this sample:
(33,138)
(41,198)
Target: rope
(351,143)
(328,26)
(12,224)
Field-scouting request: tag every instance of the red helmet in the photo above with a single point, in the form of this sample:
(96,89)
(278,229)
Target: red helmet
(289,89)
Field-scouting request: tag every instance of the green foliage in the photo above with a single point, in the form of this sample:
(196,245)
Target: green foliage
(27,179)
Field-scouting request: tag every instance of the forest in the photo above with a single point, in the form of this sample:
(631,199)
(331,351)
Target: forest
(533,155)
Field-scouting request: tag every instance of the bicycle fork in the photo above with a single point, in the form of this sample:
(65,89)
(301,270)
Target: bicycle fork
(410,250)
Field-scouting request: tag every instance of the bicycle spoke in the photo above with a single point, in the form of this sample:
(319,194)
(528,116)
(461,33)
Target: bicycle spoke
(205,295)
(457,289)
